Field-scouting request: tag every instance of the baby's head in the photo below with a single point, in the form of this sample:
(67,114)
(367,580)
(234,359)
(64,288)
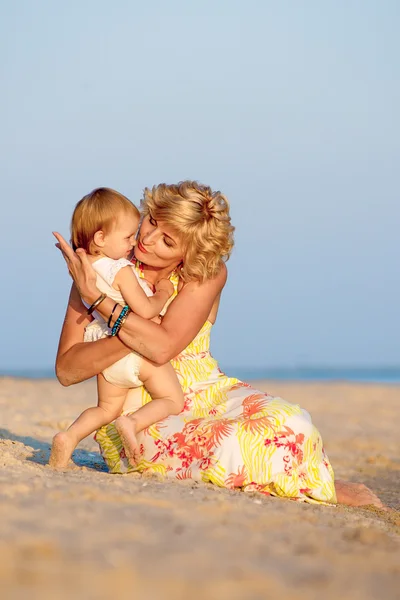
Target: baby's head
(105,223)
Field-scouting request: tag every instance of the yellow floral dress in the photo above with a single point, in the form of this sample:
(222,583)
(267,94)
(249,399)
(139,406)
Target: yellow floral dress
(228,434)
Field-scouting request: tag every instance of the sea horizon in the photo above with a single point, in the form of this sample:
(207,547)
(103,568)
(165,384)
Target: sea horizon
(361,374)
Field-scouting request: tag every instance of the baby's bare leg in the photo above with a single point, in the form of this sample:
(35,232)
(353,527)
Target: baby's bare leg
(167,399)
(110,402)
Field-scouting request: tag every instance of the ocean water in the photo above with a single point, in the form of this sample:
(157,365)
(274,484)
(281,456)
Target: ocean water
(355,374)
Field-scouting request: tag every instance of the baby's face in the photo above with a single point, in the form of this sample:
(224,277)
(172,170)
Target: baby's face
(118,243)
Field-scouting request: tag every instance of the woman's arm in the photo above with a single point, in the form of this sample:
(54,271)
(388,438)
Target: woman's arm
(159,343)
(184,318)
(77,361)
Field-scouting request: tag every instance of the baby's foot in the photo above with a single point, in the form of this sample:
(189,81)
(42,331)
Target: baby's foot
(126,429)
(61,450)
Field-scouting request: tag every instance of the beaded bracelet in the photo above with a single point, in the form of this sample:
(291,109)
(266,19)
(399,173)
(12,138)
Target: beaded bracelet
(96,303)
(123,320)
(117,324)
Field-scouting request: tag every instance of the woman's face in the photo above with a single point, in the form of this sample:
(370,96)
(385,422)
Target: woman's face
(157,245)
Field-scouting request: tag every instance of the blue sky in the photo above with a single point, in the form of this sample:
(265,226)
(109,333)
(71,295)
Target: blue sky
(289,108)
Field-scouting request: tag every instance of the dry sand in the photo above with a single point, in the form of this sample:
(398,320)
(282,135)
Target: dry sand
(87,534)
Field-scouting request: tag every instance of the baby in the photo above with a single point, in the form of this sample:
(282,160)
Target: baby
(104,223)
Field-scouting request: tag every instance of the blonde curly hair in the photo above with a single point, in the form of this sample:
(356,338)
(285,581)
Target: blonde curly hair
(201,220)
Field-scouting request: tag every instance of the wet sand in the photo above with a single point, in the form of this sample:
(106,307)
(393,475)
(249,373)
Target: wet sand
(87,534)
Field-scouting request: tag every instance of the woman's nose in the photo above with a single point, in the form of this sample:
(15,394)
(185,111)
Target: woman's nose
(150,237)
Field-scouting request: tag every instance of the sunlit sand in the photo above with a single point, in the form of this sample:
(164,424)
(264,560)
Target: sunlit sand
(86,534)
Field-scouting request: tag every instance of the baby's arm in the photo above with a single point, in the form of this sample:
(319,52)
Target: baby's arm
(146,307)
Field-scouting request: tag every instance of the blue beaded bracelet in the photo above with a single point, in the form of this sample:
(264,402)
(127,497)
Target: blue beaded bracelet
(118,322)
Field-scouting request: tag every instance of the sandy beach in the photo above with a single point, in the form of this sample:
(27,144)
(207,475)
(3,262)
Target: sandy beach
(87,534)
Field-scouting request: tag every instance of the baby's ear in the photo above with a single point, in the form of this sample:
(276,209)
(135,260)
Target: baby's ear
(98,238)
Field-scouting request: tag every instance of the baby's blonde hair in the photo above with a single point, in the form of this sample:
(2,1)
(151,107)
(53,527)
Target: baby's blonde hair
(97,211)
(200,218)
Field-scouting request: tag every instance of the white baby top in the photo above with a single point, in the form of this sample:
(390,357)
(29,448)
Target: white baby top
(125,372)
(107,269)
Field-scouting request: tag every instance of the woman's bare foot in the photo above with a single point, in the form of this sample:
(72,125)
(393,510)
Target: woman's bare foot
(61,450)
(356,494)
(126,429)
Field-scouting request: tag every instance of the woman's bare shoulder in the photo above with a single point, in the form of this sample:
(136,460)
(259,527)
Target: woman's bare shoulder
(216,283)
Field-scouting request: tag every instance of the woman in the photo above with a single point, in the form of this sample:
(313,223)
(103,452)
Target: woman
(228,433)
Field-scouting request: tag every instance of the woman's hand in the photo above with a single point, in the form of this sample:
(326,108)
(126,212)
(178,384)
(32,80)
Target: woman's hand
(80,269)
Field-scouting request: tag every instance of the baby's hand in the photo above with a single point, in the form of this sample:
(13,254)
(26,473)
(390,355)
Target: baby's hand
(166,286)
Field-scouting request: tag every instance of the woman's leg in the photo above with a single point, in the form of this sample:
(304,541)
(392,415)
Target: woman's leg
(110,402)
(167,399)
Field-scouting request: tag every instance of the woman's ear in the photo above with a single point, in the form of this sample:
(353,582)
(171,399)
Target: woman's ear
(98,239)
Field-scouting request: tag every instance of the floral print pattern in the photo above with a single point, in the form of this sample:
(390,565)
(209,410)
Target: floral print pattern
(228,434)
